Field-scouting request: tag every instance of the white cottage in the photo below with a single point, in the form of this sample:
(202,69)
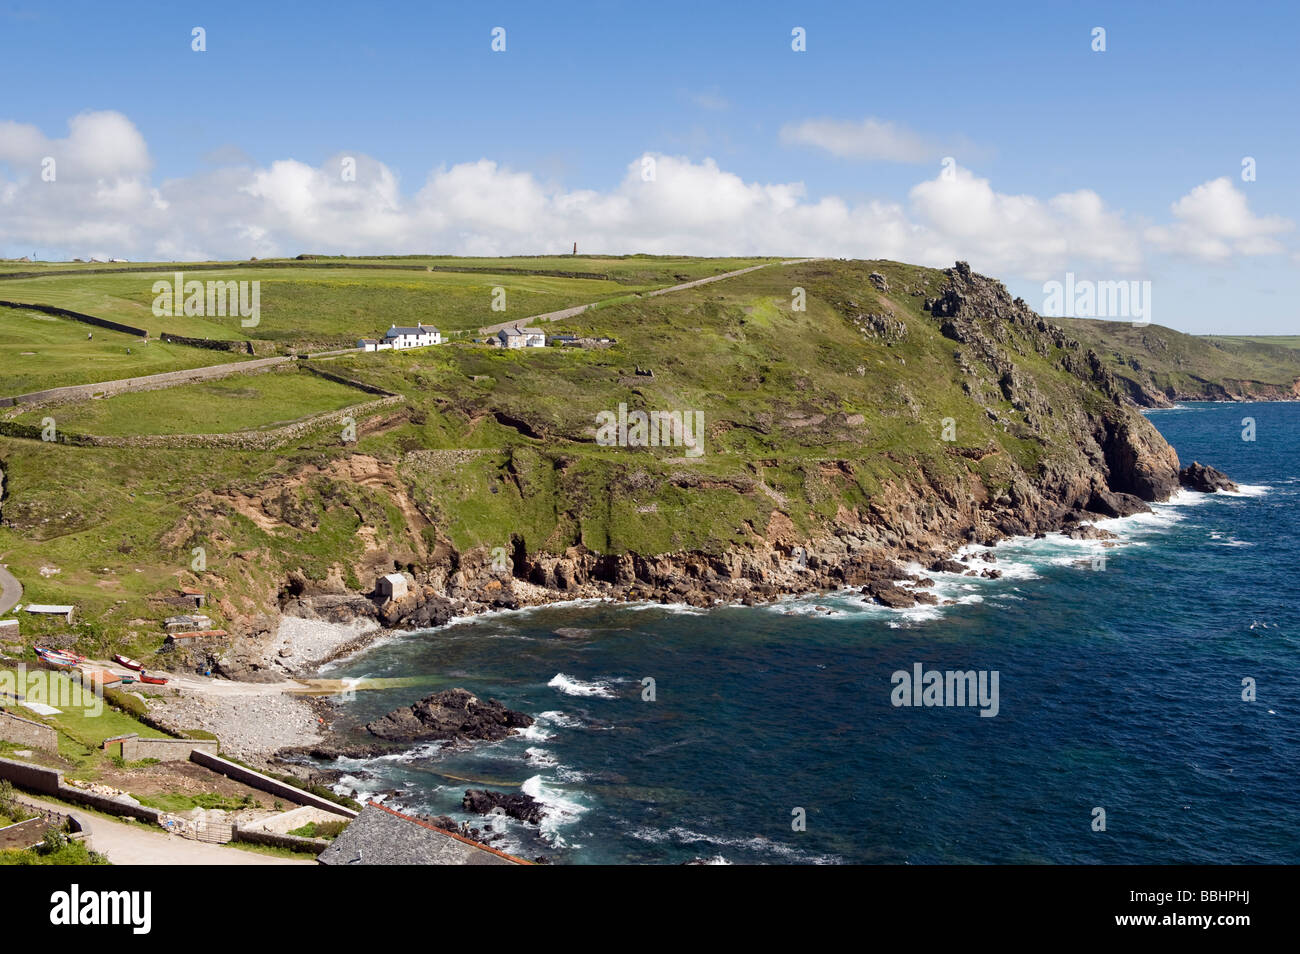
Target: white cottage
(420,336)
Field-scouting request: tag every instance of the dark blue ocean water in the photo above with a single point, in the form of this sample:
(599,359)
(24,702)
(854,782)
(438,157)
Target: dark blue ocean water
(1120,687)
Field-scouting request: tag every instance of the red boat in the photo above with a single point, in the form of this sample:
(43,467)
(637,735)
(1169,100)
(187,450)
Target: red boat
(153,680)
(129,663)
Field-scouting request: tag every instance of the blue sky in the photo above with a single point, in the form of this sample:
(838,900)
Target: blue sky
(230,152)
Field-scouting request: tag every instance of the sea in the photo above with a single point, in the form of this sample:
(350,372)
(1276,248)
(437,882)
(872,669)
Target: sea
(1141,701)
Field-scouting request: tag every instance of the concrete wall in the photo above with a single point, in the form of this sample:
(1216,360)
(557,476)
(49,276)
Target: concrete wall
(26,732)
(48,781)
(267,784)
(33,778)
(135,748)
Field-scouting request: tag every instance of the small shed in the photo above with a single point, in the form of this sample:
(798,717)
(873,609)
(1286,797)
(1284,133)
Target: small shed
(42,609)
(393,586)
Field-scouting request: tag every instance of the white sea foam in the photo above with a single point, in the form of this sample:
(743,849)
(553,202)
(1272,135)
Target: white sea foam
(1247,490)
(558,807)
(540,757)
(561,719)
(535,733)
(677,609)
(577,687)
(756,843)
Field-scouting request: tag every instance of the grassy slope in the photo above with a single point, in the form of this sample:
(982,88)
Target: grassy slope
(40,351)
(1184,365)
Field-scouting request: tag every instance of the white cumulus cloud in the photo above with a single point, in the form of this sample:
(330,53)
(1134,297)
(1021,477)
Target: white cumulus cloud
(105,202)
(1214,223)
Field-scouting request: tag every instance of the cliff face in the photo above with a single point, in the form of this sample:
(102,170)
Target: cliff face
(1157,366)
(1089,455)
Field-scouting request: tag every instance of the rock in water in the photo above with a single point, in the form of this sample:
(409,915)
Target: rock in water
(1207,480)
(516,805)
(452,715)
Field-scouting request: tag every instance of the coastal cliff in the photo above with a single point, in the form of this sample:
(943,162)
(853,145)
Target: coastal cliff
(1057,444)
(847,418)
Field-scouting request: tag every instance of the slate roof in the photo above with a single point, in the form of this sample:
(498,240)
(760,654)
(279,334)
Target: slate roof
(381,836)
(394,331)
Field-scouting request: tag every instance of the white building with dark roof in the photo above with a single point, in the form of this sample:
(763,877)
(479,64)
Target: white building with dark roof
(421,336)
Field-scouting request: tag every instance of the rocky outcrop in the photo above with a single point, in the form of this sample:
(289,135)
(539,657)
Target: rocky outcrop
(1207,480)
(516,805)
(455,715)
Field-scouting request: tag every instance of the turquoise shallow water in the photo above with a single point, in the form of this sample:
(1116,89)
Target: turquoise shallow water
(1120,687)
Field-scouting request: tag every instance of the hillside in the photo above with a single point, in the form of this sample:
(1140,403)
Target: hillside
(1159,365)
(901,412)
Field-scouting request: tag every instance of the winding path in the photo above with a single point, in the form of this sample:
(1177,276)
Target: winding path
(11,591)
(579,309)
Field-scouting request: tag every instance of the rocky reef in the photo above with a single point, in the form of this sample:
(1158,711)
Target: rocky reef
(454,715)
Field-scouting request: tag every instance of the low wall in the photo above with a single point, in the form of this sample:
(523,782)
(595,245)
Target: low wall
(260,836)
(135,748)
(147,382)
(170,268)
(217,344)
(33,778)
(340,379)
(109,805)
(48,781)
(26,732)
(240,440)
(267,784)
(78,316)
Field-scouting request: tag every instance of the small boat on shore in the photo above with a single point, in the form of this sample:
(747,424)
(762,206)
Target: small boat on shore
(153,680)
(128,662)
(59,658)
(125,678)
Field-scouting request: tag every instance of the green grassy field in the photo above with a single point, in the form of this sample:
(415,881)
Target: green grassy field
(323,307)
(40,351)
(1280,341)
(238,403)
